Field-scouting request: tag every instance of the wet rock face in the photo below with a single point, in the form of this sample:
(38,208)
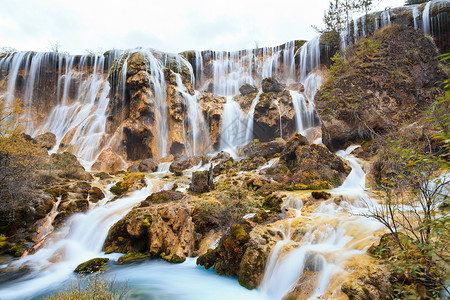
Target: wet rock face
(271,108)
(384,81)
(160,228)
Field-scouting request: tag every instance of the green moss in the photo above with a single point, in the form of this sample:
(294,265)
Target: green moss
(132,257)
(92,265)
(173,258)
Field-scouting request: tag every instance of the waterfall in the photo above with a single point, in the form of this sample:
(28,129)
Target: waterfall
(309,57)
(385,18)
(80,240)
(426,22)
(415,14)
(315,254)
(196,133)
(250,115)
(233,129)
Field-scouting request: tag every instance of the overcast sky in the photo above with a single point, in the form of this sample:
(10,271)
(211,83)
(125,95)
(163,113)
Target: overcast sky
(167,25)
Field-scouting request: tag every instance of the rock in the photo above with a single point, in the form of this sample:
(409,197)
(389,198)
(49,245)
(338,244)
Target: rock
(367,280)
(160,228)
(162,197)
(148,165)
(202,181)
(109,161)
(173,258)
(129,183)
(92,265)
(271,108)
(46,140)
(266,150)
(320,195)
(133,169)
(380,87)
(95,194)
(308,167)
(226,258)
(247,89)
(254,260)
(102,175)
(182,162)
(272,85)
(220,156)
(132,258)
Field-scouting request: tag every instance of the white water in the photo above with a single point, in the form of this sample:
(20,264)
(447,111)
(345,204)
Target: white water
(415,14)
(233,127)
(426,19)
(80,240)
(333,236)
(250,114)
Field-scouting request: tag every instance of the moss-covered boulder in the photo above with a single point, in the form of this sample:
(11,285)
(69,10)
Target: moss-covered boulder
(226,258)
(92,265)
(308,167)
(130,182)
(132,257)
(384,80)
(162,197)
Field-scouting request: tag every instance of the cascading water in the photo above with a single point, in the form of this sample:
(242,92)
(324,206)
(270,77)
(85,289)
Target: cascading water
(313,259)
(196,132)
(426,19)
(80,240)
(415,14)
(233,127)
(250,114)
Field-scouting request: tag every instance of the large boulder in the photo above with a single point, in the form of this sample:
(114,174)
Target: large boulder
(248,89)
(303,166)
(91,266)
(46,140)
(202,181)
(182,162)
(272,85)
(155,230)
(384,81)
(148,165)
(108,161)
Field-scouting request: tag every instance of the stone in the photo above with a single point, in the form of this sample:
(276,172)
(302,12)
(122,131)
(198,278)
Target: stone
(321,195)
(108,161)
(272,85)
(46,140)
(95,194)
(182,162)
(164,228)
(248,89)
(202,181)
(148,165)
(133,169)
(92,265)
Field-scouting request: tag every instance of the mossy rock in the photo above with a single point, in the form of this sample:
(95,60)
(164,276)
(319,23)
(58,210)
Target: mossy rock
(133,179)
(95,194)
(132,257)
(161,197)
(173,258)
(92,265)
(102,175)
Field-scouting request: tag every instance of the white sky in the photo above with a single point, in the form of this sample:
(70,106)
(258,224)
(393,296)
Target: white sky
(167,25)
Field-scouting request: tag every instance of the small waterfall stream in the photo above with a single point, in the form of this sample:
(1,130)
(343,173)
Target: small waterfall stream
(332,236)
